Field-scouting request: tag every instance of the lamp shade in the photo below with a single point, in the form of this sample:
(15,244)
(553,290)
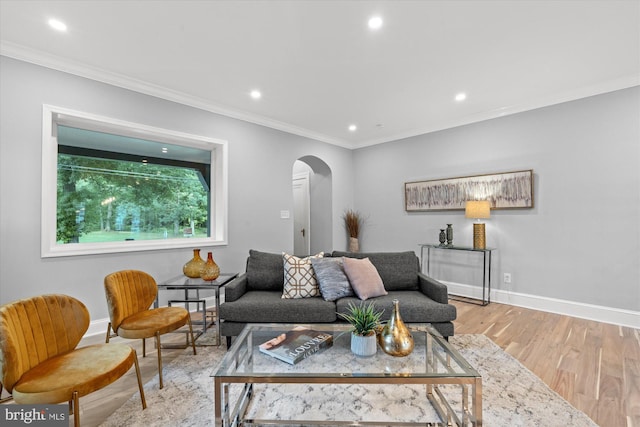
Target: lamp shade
(477,209)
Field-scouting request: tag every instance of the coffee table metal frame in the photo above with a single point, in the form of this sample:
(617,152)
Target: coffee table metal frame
(444,365)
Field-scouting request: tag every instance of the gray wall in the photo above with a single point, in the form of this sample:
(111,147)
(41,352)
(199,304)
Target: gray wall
(581,241)
(260,165)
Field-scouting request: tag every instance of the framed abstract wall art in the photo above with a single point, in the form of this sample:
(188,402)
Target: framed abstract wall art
(507,190)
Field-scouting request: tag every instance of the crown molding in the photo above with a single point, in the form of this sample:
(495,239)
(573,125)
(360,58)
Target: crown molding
(47,60)
(623,82)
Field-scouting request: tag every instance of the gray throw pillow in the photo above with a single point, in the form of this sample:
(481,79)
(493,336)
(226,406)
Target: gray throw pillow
(332,280)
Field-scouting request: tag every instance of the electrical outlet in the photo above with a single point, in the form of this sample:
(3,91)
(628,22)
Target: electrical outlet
(507,277)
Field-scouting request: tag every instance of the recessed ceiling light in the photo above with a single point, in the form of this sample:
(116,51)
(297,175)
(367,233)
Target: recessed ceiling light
(353,128)
(255,94)
(375,22)
(57,25)
(461,96)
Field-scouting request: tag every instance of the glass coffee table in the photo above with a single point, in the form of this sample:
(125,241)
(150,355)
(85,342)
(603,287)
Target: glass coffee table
(437,386)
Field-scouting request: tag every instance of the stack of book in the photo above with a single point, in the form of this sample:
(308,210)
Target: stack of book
(297,344)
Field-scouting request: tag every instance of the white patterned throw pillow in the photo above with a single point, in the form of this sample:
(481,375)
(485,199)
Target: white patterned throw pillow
(299,277)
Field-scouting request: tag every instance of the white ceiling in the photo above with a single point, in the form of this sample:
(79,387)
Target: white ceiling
(320,68)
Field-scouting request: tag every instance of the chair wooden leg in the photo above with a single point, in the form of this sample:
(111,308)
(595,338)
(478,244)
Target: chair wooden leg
(140,386)
(108,333)
(193,341)
(144,349)
(4,399)
(159,358)
(76,409)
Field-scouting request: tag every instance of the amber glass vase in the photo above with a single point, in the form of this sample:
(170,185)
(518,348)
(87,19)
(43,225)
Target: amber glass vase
(210,270)
(194,266)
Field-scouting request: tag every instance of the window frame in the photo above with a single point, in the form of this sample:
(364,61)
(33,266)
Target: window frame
(218,207)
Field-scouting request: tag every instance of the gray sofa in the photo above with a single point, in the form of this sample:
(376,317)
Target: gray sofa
(256,295)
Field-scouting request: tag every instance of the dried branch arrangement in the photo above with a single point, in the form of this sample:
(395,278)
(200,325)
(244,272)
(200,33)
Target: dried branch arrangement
(352,222)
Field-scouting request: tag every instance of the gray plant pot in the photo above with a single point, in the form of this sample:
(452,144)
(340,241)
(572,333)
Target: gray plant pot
(364,346)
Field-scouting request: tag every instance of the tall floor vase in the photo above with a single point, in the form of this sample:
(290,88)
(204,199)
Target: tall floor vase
(354,245)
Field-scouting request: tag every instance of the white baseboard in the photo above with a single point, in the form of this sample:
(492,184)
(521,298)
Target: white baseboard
(97,327)
(598,313)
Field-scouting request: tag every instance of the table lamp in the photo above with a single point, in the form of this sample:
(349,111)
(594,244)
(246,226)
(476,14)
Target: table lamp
(478,209)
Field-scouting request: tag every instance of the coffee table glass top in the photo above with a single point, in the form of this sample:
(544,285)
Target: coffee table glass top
(432,357)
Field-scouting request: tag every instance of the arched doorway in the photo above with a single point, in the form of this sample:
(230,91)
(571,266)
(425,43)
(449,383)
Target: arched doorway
(312,213)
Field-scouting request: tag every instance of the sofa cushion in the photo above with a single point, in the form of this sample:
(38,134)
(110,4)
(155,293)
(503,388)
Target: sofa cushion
(269,307)
(415,307)
(299,277)
(364,278)
(398,270)
(265,271)
(332,280)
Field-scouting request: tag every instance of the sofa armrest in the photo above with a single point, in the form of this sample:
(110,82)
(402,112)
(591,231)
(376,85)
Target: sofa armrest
(236,288)
(433,289)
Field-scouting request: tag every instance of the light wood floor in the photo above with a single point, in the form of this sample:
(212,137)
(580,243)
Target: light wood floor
(595,366)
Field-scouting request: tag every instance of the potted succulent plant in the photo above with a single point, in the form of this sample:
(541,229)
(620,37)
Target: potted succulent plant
(364,320)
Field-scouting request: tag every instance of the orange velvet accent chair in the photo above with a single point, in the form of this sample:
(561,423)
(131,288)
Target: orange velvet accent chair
(39,361)
(130,294)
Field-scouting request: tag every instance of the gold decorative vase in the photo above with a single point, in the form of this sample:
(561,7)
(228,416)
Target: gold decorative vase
(210,270)
(395,338)
(194,266)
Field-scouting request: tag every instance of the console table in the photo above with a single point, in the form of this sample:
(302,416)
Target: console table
(486,269)
(187,284)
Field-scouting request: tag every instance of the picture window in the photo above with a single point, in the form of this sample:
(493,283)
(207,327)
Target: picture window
(113,186)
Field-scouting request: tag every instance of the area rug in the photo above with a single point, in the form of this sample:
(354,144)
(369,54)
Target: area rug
(512,395)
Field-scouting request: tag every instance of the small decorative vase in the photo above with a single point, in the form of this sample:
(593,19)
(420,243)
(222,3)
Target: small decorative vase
(354,245)
(449,235)
(210,270)
(363,346)
(395,338)
(193,267)
(442,237)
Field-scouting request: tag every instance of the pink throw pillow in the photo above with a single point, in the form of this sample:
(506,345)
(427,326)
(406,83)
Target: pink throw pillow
(364,277)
